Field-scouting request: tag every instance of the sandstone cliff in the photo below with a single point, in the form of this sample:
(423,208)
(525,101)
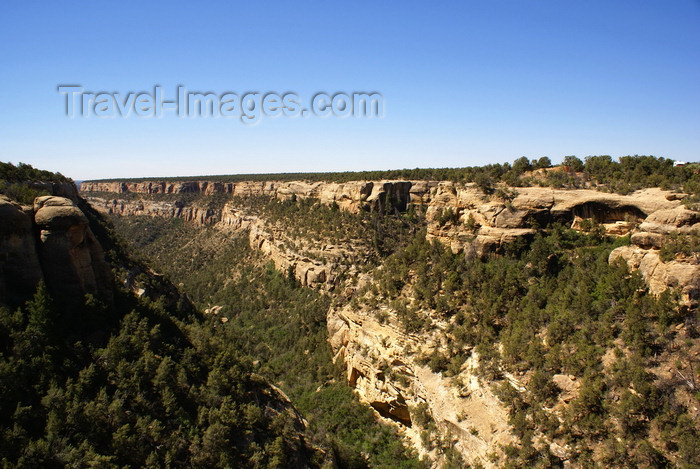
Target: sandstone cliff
(314,262)
(152,208)
(480,224)
(382,366)
(460,216)
(679,271)
(20,271)
(50,241)
(352,195)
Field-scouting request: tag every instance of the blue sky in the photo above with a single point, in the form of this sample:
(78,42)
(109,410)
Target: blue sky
(464,83)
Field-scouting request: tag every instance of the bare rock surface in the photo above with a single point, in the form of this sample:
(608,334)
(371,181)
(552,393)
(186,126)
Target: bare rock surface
(660,276)
(381,367)
(50,241)
(681,272)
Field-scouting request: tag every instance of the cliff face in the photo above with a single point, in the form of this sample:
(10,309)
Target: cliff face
(680,271)
(50,241)
(314,262)
(381,363)
(351,196)
(458,215)
(503,210)
(20,271)
(467,220)
(152,208)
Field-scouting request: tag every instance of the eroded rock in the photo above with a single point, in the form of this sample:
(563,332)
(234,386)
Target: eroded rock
(72,260)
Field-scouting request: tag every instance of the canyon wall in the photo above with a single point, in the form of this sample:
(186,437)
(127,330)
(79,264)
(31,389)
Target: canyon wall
(382,362)
(351,196)
(460,216)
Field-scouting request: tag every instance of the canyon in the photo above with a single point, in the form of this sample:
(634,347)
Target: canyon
(459,216)
(382,361)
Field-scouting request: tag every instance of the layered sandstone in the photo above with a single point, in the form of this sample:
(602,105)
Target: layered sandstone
(72,259)
(153,208)
(479,224)
(313,262)
(351,196)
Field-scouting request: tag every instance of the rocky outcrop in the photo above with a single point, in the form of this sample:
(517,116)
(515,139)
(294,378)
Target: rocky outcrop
(382,368)
(477,223)
(351,196)
(50,241)
(460,216)
(676,220)
(681,271)
(314,263)
(152,208)
(466,219)
(72,259)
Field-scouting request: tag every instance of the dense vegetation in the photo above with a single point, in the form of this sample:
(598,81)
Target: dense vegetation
(559,308)
(25,172)
(24,183)
(627,174)
(142,382)
(371,235)
(281,326)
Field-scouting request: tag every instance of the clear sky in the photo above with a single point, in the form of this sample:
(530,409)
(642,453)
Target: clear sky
(464,82)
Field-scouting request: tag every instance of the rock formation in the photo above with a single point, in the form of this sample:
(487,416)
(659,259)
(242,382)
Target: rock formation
(460,216)
(479,224)
(381,366)
(72,259)
(315,264)
(681,272)
(152,208)
(50,241)
(20,270)
(352,196)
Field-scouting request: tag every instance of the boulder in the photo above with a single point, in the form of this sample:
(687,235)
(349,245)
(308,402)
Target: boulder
(648,240)
(57,213)
(659,275)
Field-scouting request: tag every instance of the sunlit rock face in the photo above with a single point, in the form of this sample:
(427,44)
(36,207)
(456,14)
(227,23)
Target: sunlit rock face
(681,272)
(382,367)
(461,216)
